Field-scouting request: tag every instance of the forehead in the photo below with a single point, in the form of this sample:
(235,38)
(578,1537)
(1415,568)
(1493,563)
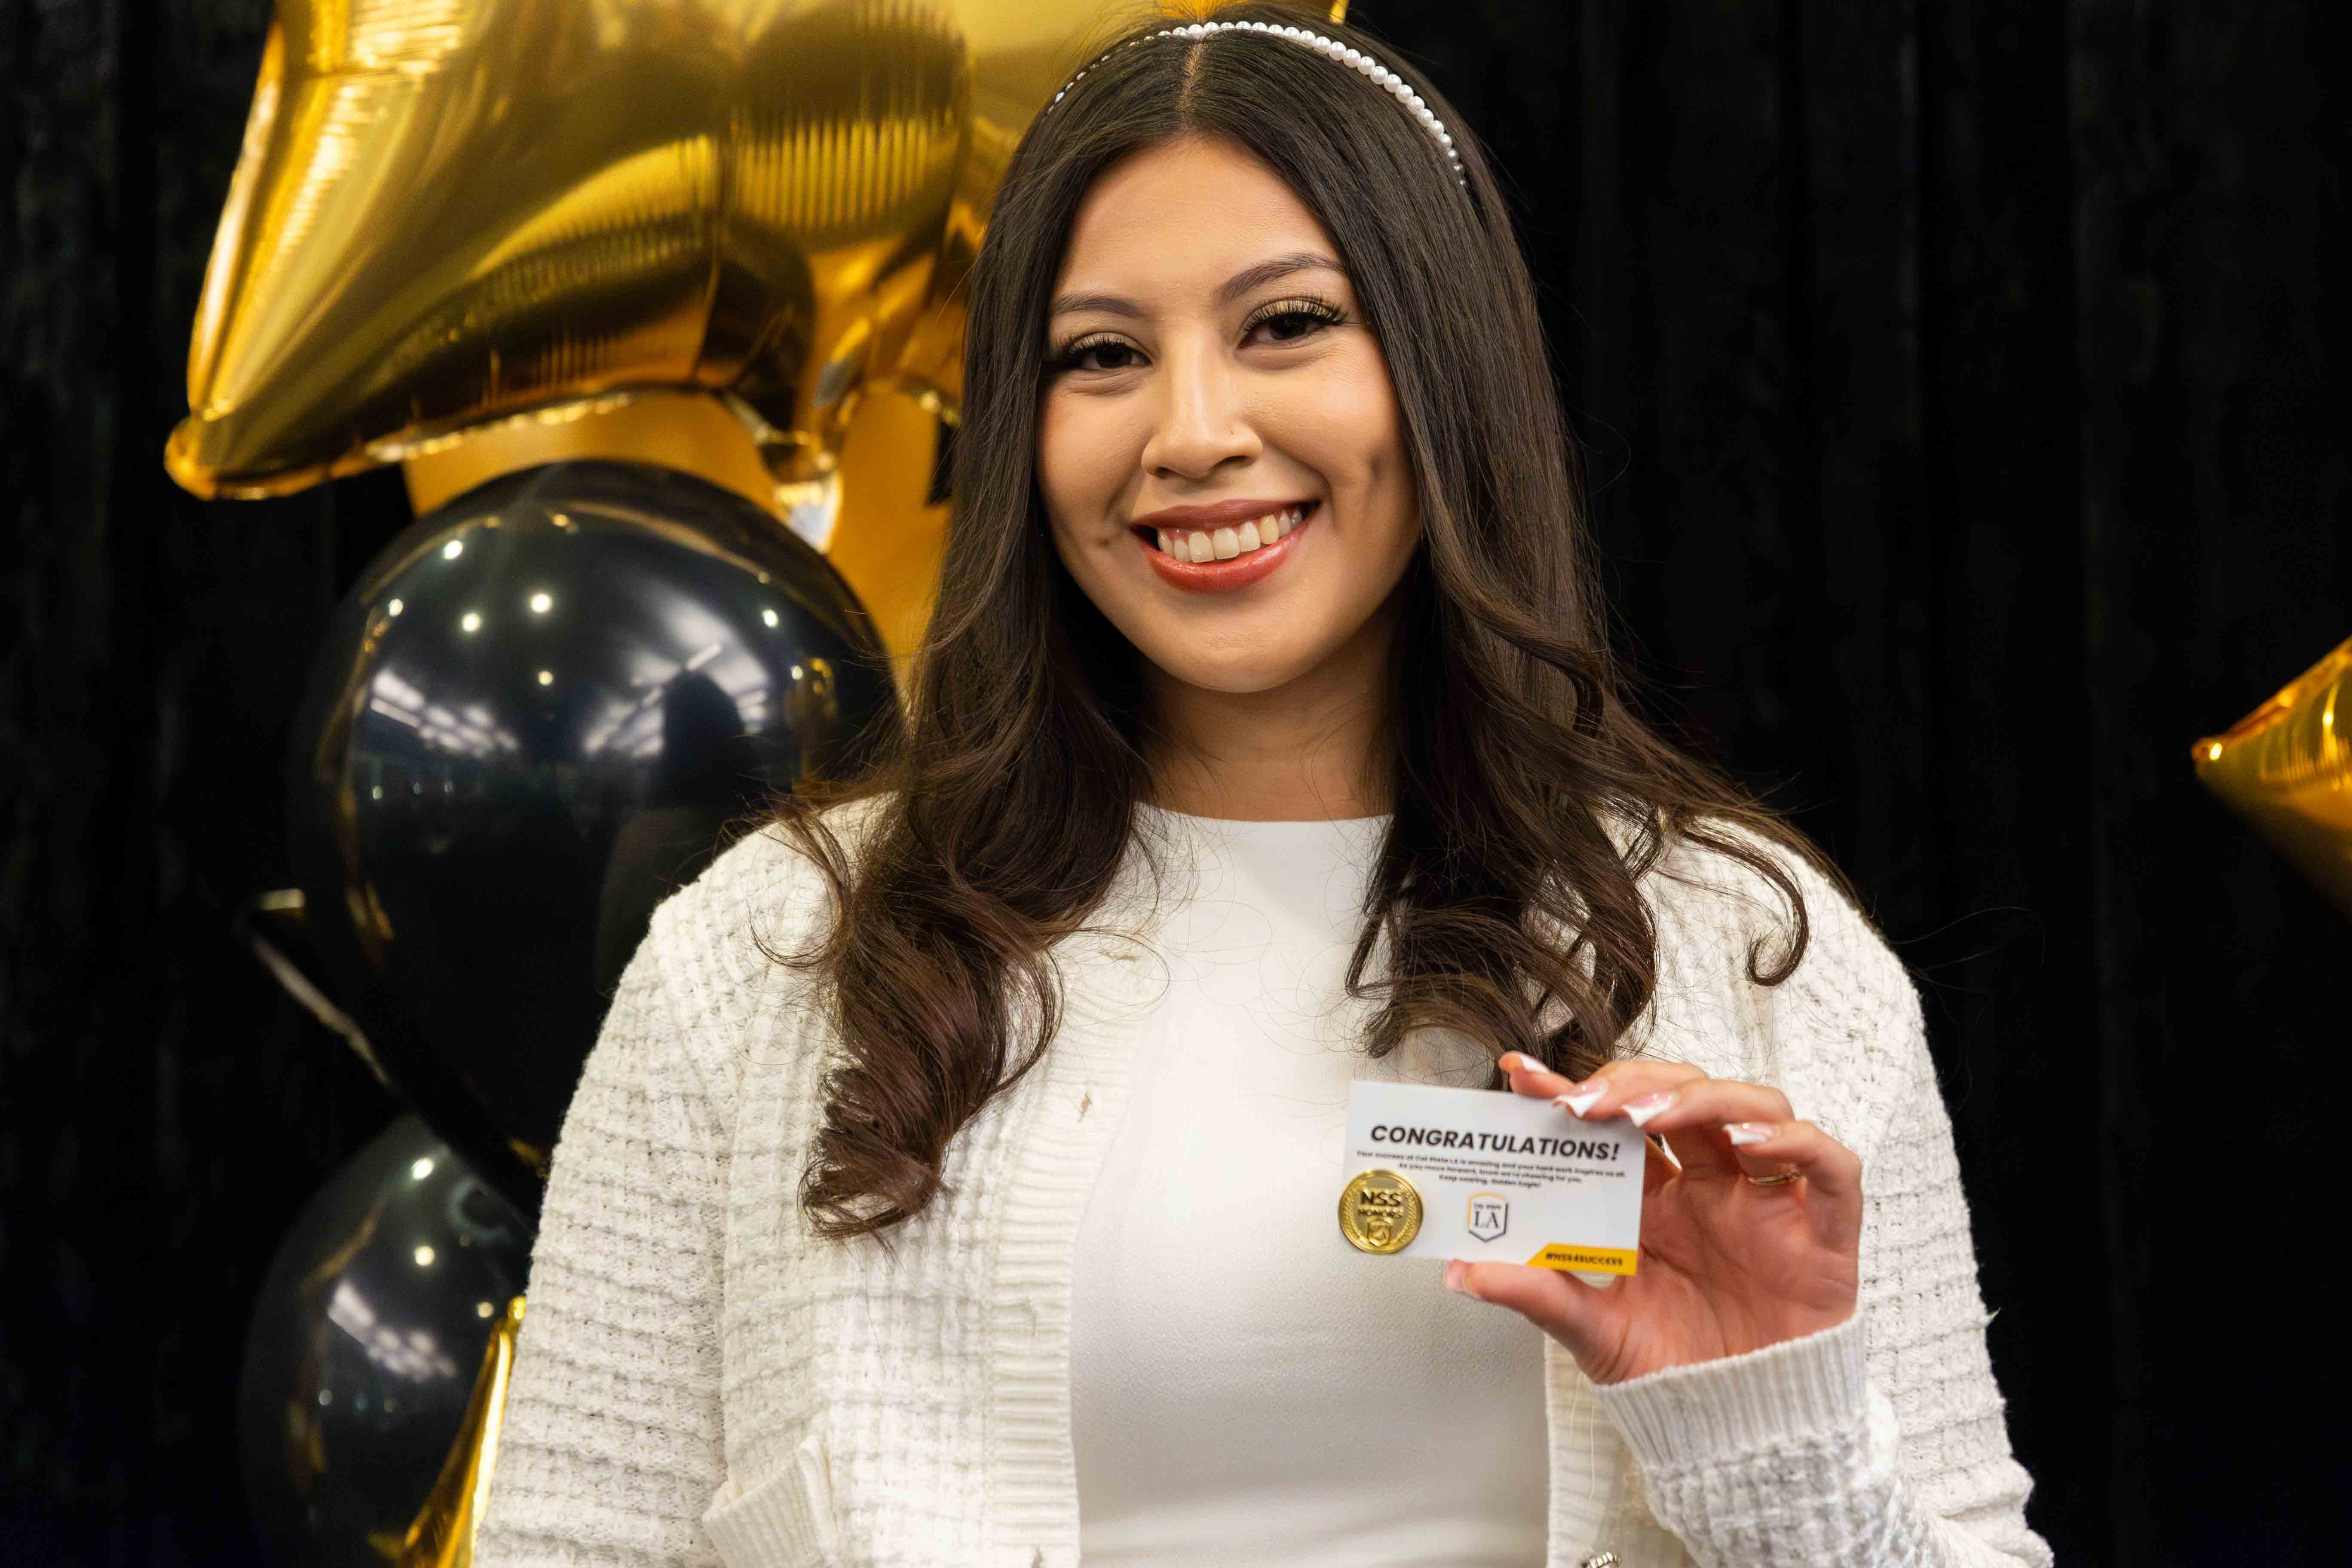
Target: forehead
(1182,218)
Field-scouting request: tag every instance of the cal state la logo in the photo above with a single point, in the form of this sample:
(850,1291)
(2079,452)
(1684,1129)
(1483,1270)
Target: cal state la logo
(1490,1216)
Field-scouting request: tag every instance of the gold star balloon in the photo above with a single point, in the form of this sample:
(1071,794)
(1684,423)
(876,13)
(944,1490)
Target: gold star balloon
(2286,768)
(450,209)
(456,221)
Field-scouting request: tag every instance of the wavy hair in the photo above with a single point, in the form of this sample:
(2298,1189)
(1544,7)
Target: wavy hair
(1525,798)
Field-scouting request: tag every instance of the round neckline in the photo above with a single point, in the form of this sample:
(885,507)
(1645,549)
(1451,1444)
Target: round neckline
(1265,822)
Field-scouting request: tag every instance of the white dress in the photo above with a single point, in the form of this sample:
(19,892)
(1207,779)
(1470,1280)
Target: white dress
(1246,1388)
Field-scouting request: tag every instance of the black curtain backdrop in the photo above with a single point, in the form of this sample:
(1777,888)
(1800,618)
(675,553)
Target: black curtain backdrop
(1957,381)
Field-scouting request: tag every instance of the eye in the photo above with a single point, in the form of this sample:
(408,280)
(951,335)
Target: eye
(1098,353)
(1292,321)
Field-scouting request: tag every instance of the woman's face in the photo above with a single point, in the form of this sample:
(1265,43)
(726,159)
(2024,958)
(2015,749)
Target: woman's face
(1219,445)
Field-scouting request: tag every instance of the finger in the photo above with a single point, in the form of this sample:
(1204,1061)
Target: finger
(1832,1173)
(1530,1077)
(1692,1119)
(1658,1165)
(1604,1094)
(1584,1318)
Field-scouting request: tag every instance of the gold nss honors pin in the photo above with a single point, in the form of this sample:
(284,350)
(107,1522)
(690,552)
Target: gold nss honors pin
(1379,1211)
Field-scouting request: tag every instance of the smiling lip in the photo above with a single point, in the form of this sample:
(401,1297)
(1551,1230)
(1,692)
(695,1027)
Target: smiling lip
(1217,514)
(1219,576)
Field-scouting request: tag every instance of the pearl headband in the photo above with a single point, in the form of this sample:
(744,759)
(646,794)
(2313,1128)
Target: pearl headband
(1354,59)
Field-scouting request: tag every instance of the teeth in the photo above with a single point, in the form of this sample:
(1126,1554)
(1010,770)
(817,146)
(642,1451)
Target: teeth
(1224,543)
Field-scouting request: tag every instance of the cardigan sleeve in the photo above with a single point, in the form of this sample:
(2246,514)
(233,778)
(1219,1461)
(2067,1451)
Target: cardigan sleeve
(610,1446)
(1879,1443)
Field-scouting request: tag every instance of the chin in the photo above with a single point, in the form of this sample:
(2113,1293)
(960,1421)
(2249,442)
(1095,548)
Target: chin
(1237,677)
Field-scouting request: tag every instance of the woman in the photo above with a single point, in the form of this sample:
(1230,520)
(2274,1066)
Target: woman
(953,1181)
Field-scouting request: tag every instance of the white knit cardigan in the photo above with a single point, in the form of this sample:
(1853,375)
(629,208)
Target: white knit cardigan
(700,1381)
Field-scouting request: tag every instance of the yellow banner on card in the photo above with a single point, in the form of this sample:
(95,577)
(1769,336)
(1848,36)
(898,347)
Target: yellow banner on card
(1585,1259)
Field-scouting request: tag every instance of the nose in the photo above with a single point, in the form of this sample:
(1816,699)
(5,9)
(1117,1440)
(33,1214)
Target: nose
(1203,425)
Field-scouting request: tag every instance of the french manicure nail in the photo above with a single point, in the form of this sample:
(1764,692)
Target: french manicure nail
(1640,1111)
(1582,1097)
(1746,1132)
(1529,1063)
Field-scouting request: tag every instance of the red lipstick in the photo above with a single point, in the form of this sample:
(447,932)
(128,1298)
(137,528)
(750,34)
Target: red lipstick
(1219,576)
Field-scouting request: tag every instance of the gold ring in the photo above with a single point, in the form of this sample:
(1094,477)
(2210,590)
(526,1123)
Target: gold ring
(1783,1177)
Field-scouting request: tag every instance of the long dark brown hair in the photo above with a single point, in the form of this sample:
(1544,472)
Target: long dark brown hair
(1525,799)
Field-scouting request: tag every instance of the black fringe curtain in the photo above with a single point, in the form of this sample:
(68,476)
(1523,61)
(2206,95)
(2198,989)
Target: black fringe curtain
(1958,381)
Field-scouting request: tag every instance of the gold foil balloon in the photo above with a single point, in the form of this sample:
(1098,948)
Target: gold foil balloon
(452,214)
(2286,768)
(475,220)
(442,1534)
(447,211)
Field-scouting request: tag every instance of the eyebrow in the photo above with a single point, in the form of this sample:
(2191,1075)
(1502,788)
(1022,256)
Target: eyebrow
(1239,284)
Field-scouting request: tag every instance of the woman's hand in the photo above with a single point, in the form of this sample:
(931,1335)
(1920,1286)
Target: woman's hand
(1726,1265)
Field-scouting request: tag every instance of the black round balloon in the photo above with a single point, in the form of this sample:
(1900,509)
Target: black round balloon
(533,718)
(365,1345)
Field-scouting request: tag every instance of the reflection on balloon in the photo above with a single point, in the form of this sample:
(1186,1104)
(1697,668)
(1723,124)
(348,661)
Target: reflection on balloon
(594,669)
(2286,768)
(364,1348)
